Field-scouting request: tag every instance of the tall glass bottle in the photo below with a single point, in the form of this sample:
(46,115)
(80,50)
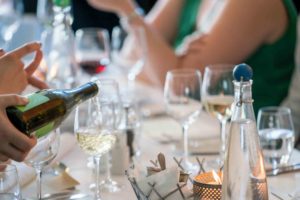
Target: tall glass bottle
(60,46)
(244,173)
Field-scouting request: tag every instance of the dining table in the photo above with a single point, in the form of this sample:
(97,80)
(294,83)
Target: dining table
(157,133)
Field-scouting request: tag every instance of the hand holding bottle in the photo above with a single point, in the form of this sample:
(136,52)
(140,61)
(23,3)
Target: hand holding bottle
(14,75)
(13,143)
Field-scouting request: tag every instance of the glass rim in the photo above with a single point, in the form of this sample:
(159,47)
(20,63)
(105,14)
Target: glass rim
(91,30)
(274,110)
(220,67)
(8,167)
(184,72)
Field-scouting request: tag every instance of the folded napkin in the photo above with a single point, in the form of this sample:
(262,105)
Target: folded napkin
(27,173)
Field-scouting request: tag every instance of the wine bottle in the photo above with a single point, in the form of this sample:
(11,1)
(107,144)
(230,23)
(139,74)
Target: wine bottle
(48,108)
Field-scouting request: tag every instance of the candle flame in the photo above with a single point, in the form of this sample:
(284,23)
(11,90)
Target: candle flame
(216,177)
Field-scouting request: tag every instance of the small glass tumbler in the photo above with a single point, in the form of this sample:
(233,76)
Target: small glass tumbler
(276,132)
(9,183)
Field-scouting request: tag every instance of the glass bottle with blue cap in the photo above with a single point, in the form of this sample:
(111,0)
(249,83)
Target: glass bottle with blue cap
(244,174)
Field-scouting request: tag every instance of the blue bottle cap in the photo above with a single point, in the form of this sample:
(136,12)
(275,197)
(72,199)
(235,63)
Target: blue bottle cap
(242,72)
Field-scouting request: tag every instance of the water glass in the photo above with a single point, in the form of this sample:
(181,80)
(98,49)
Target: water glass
(9,182)
(276,131)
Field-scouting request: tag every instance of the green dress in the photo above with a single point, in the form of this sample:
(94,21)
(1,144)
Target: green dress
(272,64)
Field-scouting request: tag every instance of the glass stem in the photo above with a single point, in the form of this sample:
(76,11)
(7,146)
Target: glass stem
(108,172)
(223,139)
(97,189)
(38,172)
(185,142)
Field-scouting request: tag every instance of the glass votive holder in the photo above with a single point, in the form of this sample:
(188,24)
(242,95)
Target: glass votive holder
(205,186)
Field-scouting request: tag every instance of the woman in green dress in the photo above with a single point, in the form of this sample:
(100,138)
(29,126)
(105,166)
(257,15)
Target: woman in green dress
(194,34)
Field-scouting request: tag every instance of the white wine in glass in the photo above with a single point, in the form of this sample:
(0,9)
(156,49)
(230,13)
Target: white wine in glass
(217,97)
(95,141)
(93,128)
(182,102)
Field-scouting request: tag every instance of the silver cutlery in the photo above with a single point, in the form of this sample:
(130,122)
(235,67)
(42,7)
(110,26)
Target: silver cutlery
(283,170)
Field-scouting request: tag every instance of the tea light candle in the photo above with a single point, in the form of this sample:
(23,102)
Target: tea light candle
(208,185)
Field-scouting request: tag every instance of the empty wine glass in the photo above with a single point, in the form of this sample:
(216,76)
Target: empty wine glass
(129,52)
(94,132)
(9,182)
(217,96)
(10,15)
(182,101)
(92,50)
(110,93)
(276,132)
(42,154)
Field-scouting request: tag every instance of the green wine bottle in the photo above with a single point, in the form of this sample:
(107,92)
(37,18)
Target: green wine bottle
(48,108)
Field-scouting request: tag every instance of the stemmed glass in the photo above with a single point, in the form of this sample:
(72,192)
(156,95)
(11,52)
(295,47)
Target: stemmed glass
(42,154)
(9,182)
(128,52)
(182,101)
(10,15)
(94,132)
(276,131)
(92,50)
(110,93)
(217,96)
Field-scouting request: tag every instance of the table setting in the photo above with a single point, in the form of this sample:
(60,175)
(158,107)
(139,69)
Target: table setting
(135,141)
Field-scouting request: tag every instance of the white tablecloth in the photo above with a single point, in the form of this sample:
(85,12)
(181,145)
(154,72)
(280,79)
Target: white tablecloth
(153,131)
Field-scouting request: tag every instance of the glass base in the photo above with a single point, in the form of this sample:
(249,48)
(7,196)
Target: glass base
(110,186)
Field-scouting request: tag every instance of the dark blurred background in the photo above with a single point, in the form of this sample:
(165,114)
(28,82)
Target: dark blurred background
(86,16)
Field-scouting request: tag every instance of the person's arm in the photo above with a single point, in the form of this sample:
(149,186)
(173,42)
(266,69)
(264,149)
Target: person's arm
(163,17)
(13,144)
(241,28)
(14,75)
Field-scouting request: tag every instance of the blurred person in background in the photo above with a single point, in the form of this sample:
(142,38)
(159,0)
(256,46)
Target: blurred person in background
(87,16)
(293,99)
(194,34)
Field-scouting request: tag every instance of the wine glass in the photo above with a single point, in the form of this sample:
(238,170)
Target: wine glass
(42,154)
(129,52)
(217,96)
(92,50)
(94,132)
(10,15)
(110,93)
(182,101)
(276,131)
(9,182)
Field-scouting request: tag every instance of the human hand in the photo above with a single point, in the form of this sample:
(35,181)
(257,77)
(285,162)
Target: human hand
(192,43)
(121,7)
(13,143)
(14,75)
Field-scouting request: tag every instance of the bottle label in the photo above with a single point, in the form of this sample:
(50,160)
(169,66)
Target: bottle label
(44,130)
(34,100)
(37,99)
